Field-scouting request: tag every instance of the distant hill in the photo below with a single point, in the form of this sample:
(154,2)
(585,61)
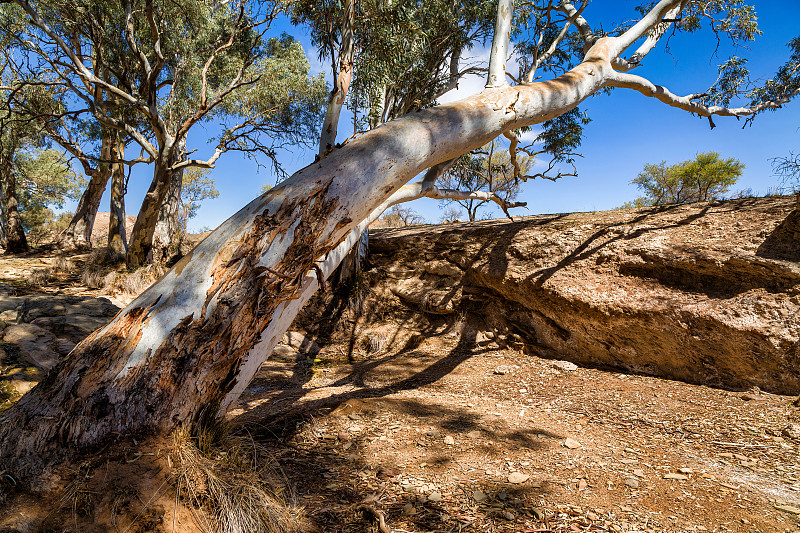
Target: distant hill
(100,229)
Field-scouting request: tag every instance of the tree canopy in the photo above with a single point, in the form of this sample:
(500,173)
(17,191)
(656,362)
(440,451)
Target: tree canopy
(707,177)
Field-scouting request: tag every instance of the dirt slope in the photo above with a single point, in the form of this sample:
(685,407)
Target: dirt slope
(704,293)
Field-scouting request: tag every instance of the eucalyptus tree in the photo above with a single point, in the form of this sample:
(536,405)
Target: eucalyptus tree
(164,68)
(187,347)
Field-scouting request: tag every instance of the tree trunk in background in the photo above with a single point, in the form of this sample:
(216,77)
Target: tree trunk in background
(342,82)
(167,234)
(16,242)
(117,238)
(2,214)
(78,234)
(141,242)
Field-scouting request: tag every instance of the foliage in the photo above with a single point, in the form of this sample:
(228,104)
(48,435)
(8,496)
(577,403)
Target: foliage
(705,178)
(197,186)
(44,180)
(407,52)
(402,216)
(788,170)
(450,214)
(488,169)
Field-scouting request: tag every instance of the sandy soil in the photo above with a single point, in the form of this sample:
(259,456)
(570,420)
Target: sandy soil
(448,437)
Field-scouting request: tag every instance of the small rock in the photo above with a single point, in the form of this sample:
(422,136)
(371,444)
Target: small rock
(629,461)
(566,366)
(474,434)
(672,475)
(449,440)
(638,472)
(479,496)
(582,484)
(518,477)
(788,509)
(571,444)
(747,397)
(503,370)
(435,497)
(686,471)
(408,509)
(592,516)
(344,436)
(508,515)
(792,431)
(632,482)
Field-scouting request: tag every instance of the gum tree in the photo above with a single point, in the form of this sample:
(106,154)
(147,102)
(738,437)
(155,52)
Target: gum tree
(187,347)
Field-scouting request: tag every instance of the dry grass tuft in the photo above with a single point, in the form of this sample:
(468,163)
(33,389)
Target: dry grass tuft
(64,265)
(232,479)
(41,276)
(134,283)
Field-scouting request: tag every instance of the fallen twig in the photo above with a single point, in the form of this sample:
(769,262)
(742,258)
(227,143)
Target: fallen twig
(741,445)
(379,516)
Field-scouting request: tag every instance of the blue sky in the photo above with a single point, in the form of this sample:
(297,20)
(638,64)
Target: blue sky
(627,128)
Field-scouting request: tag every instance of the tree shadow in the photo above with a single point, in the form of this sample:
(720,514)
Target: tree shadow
(784,241)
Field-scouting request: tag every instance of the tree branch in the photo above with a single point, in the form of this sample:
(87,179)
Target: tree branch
(689,102)
(499,53)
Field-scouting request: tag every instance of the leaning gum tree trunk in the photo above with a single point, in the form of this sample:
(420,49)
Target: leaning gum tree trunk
(186,348)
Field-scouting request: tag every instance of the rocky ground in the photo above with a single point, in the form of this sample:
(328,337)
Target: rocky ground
(516,377)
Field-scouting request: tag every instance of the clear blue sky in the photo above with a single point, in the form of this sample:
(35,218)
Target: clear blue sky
(627,129)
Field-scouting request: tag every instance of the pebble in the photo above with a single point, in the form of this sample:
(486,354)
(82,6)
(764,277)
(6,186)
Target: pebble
(408,509)
(503,370)
(435,497)
(571,444)
(676,476)
(566,366)
(686,471)
(509,515)
(518,477)
(792,431)
(638,472)
(449,440)
(632,482)
(479,496)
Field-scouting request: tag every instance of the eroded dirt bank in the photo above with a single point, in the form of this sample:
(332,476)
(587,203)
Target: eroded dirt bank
(704,293)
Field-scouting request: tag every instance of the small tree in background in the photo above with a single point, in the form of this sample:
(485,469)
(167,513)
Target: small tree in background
(788,169)
(705,178)
(197,186)
(450,215)
(399,216)
(44,180)
(489,169)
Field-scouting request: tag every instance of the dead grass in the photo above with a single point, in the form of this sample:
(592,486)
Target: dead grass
(40,277)
(233,480)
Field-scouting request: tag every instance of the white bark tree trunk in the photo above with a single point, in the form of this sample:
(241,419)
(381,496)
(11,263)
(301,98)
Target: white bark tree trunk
(187,347)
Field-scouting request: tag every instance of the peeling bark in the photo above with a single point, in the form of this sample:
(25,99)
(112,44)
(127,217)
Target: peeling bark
(181,348)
